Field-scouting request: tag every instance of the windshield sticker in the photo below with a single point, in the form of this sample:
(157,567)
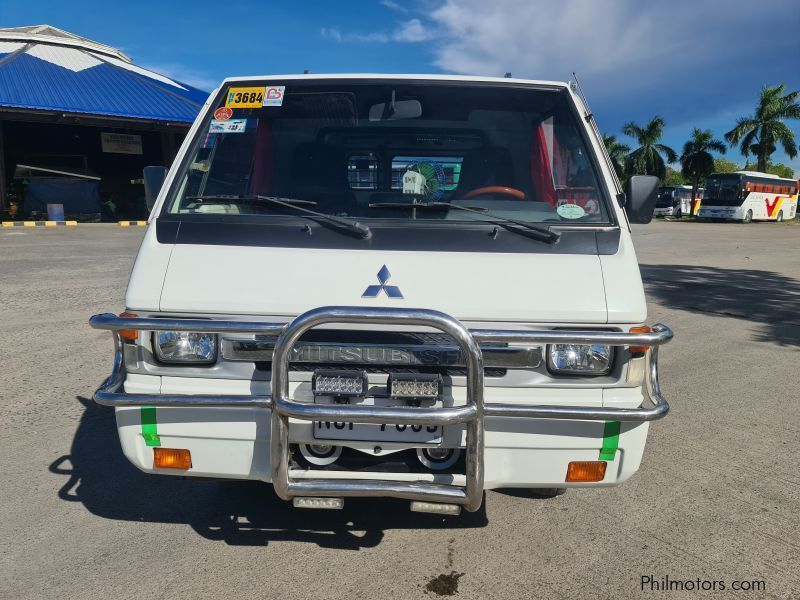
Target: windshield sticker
(571,211)
(274,95)
(211,139)
(230,126)
(203,166)
(413,183)
(245,97)
(223,113)
(424,179)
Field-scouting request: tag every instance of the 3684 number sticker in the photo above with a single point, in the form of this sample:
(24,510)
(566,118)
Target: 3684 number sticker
(245,97)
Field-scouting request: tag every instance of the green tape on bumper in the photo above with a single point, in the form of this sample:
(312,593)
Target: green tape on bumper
(610,440)
(149,427)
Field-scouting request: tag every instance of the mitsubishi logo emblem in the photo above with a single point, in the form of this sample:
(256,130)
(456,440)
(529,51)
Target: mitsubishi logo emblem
(392,291)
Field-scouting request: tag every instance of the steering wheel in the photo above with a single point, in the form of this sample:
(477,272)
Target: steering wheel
(496,189)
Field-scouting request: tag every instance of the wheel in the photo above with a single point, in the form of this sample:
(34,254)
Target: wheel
(320,455)
(679,214)
(438,459)
(748,218)
(780,216)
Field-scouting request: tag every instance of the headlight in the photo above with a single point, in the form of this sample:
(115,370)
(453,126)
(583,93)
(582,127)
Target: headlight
(185,347)
(592,359)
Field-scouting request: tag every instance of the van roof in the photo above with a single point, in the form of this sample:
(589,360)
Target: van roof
(395,76)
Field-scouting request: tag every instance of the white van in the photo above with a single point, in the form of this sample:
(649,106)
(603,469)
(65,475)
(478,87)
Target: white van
(414,286)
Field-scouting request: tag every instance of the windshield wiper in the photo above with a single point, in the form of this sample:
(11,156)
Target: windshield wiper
(253,198)
(542,234)
(294,203)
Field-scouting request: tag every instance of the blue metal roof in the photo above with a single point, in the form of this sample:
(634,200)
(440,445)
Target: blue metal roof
(75,79)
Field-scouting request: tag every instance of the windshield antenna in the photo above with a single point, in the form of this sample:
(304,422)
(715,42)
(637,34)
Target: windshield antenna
(577,87)
(589,116)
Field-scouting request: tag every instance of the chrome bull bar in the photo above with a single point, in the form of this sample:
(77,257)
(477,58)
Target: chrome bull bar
(471,414)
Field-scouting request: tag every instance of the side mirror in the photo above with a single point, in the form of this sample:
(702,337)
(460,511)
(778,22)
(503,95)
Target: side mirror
(641,193)
(153,180)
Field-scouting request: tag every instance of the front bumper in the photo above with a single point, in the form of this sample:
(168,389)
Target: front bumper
(665,212)
(471,415)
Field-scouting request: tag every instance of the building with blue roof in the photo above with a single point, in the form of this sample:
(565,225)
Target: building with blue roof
(73,107)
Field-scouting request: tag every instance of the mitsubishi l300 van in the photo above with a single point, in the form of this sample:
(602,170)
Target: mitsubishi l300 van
(419,287)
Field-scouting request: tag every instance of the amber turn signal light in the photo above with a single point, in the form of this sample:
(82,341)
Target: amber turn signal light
(639,349)
(171,458)
(129,335)
(586,471)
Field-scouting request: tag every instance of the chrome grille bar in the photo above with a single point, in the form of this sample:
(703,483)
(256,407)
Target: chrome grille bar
(471,414)
(661,334)
(383,355)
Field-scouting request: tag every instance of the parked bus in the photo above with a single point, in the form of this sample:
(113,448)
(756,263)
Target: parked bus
(748,195)
(676,201)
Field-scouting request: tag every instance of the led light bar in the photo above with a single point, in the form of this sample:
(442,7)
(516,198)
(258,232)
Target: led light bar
(414,386)
(438,508)
(339,383)
(329,503)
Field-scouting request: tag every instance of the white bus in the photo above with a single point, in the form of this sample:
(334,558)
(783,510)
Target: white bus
(676,201)
(748,195)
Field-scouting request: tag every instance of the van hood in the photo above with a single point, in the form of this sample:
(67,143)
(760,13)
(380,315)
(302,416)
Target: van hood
(477,287)
(273,281)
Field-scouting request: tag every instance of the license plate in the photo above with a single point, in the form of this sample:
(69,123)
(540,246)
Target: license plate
(372,432)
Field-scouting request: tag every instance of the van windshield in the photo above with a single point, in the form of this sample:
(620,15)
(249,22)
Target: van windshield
(365,148)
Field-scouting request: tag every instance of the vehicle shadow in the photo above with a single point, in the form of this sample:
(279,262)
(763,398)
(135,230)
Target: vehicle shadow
(771,300)
(236,512)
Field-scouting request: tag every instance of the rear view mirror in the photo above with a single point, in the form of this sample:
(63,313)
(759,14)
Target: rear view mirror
(395,110)
(153,180)
(641,192)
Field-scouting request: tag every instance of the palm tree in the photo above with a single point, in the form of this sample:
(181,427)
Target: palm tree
(696,160)
(616,151)
(761,133)
(647,159)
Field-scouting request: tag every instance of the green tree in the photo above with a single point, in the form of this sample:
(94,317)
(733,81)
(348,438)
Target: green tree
(778,169)
(616,151)
(761,133)
(647,159)
(696,160)
(673,177)
(722,165)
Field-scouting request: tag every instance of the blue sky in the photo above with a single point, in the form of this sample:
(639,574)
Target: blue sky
(694,62)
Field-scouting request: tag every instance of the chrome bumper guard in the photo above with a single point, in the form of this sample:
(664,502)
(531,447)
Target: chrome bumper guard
(472,414)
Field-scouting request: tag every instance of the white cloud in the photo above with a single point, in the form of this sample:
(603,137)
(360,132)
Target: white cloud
(410,31)
(413,31)
(546,39)
(630,55)
(391,5)
(333,33)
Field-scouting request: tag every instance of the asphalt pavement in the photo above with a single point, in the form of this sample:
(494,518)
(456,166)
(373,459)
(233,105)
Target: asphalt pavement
(717,497)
